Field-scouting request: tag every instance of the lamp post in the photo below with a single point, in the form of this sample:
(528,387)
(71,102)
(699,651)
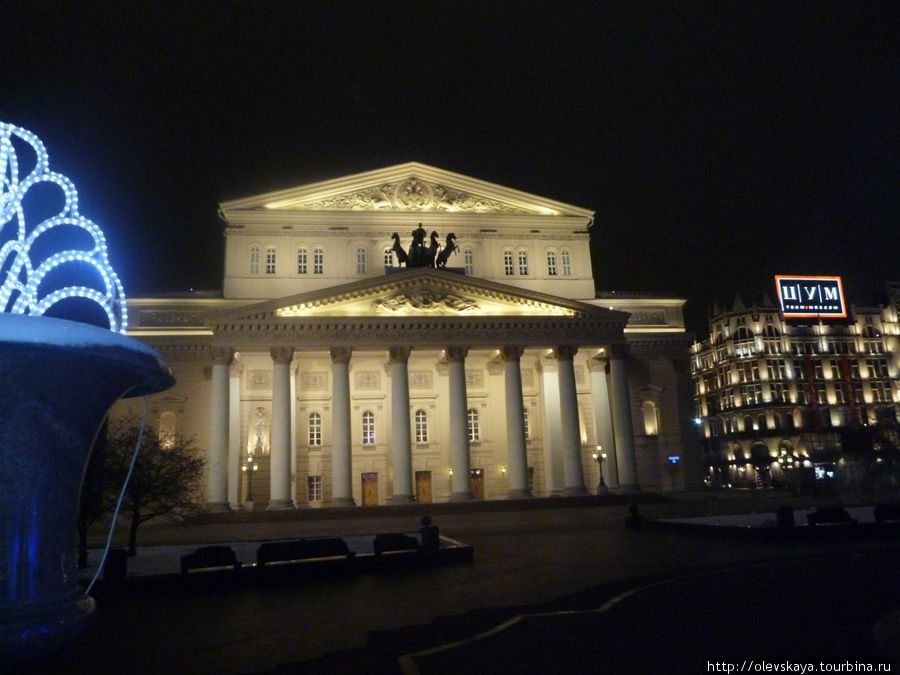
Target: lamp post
(249,467)
(599,456)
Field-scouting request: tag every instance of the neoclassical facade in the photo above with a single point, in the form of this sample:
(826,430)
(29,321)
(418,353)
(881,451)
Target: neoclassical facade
(332,372)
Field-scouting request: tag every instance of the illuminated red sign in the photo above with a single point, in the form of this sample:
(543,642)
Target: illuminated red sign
(804,297)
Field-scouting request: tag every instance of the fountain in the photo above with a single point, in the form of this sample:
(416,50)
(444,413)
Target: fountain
(58,379)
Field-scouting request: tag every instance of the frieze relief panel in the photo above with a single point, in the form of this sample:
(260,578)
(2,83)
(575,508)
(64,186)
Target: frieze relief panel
(258,380)
(412,194)
(647,317)
(475,378)
(421,379)
(367,380)
(313,381)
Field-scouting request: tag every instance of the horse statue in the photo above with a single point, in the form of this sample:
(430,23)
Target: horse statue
(449,247)
(402,258)
(431,251)
(417,248)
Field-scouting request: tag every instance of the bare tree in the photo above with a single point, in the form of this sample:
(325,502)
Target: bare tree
(165,480)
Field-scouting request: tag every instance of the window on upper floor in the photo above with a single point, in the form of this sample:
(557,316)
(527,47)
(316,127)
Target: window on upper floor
(473,424)
(315,429)
(508,268)
(522,258)
(360,260)
(318,261)
(872,341)
(469,261)
(368,428)
(302,260)
(551,263)
(254,259)
(388,257)
(772,340)
(270,260)
(421,426)
(744,342)
(566,258)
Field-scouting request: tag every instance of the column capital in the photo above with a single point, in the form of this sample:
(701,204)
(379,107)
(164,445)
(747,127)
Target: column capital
(399,354)
(618,351)
(511,352)
(565,352)
(341,354)
(282,355)
(222,356)
(456,353)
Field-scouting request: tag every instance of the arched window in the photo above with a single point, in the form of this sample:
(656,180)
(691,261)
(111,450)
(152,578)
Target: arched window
(651,418)
(360,260)
(469,261)
(368,428)
(270,260)
(551,263)
(522,258)
(388,257)
(302,260)
(474,426)
(744,342)
(167,429)
(318,261)
(872,341)
(508,269)
(315,430)
(566,257)
(254,259)
(421,421)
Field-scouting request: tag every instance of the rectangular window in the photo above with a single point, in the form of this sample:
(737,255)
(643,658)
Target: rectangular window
(270,261)
(368,428)
(421,426)
(314,483)
(508,263)
(360,261)
(566,263)
(469,261)
(551,264)
(254,260)
(523,263)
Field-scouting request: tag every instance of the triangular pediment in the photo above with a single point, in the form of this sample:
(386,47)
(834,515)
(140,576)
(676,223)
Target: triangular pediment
(422,292)
(410,187)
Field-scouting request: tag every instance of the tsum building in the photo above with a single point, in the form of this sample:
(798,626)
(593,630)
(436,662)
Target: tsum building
(778,399)
(337,367)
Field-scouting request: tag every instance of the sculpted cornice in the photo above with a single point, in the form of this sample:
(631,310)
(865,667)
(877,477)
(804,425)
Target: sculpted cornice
(326,332)
(665,344)
(180,352)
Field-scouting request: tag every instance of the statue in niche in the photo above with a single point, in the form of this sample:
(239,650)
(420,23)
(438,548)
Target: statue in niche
(421,254)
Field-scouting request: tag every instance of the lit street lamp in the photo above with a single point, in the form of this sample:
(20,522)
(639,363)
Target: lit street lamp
(599,456)
(249,467)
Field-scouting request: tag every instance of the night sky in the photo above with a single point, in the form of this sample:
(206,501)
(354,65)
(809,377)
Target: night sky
(719,143)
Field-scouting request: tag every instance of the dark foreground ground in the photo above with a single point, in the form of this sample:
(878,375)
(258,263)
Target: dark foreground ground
(553,587)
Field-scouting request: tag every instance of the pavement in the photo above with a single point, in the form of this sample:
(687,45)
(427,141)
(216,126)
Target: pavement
(559,585)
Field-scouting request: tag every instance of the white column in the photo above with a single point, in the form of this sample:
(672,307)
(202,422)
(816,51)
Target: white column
(460,486)
(401,447)
(552,428)
(517,457)
(573,472)
(623,429)
(217,468)
(341,462)
(280,430)
(603,422)
(234,436)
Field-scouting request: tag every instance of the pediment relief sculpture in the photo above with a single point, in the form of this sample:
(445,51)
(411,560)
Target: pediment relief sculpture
(425,300)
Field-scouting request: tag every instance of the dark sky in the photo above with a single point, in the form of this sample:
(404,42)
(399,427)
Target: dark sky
(720,143)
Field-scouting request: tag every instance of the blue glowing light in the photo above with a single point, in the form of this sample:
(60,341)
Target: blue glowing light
(21,291)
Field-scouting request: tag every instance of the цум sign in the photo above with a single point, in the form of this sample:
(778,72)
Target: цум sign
(801,297)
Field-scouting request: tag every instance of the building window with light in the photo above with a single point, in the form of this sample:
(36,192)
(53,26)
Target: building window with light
(872,341)
(421,424)
(469,261)
(744,342)
(368,428)
(651,418)
(551,263)
(314,485)
(523,263)
(473,424)
(566,258)
(315,430)
(318,261)
(771,340)
(508,269)
(360,260)
(167,429)
(270,260)
(254,259)
(302,261)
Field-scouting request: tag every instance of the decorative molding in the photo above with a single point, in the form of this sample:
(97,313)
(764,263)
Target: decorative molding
(314,381)
(421,379)
(425,300)
(648,317)
(259,380)
(367,380)
(170,318)
(475,378)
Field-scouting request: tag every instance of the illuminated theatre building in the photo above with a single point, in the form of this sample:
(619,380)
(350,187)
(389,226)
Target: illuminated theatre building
(779,392)
(335,376)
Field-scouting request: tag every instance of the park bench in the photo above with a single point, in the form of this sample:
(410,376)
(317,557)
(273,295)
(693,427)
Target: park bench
(886,512)
(307,550)
(829,515)
(210,558)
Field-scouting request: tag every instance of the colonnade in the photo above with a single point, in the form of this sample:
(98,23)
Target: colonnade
(612,412)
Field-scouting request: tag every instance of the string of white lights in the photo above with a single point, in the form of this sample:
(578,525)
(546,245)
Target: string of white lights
(21,291)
